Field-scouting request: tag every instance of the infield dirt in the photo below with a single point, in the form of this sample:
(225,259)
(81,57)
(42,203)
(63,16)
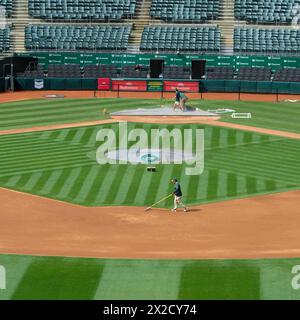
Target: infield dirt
(259,227)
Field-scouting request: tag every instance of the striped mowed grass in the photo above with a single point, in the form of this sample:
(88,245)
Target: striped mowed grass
(30,277)
(23,114)
(39,112)
(60,164)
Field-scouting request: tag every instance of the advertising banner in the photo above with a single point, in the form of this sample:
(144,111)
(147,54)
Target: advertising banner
(39,84)
(56,58)
(154,85)
(128,85)
(104,84)
(185,86)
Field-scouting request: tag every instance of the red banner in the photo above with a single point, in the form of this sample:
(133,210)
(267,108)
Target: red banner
(184,86)
(127,85)
(104,84)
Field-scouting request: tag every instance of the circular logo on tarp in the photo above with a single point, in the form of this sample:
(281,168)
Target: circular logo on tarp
(149,158)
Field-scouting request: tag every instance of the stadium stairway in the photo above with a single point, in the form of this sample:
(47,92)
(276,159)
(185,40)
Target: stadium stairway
(20,19)
(226,23)
(19,15)
(141,20)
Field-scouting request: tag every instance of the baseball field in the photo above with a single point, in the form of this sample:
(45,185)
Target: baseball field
(239,240)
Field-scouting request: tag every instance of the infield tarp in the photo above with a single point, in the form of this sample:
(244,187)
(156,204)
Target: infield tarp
(166,111)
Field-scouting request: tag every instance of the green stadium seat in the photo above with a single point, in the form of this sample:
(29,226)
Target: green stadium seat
(98,10)
(266,11)
(73,37)
(185,11)
(182,39)
(7,5)
(271,40)
(4,39)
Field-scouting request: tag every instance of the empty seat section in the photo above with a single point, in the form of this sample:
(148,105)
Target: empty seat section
(219,73)
(181,39)
(271,40)
(266,11)
(72,38)
(101,71)
(254,74)
(132,71)
(81,9)
(185,10)
(177,72)
(64,71)
(91,71)
(287,75)
(4,39)
(6,8)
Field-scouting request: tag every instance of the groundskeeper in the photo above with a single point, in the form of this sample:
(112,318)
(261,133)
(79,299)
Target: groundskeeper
(177,196)
(177,99)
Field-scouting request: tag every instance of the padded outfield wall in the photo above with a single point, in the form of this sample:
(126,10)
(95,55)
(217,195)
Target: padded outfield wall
(155,85)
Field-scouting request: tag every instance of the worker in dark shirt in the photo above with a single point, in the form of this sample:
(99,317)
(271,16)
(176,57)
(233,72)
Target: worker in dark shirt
(177,99)
(177,196)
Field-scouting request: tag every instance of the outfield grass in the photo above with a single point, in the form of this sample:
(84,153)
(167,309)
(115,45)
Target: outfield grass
(276,116)
(30,277)
(61,164)
(22,114)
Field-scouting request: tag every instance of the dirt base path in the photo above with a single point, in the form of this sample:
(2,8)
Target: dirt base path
(259,227)
(57,126)
(164,120)
(279,133)
(205,120)
(27,95)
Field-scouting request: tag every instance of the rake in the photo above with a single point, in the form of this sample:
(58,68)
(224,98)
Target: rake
(161,200)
